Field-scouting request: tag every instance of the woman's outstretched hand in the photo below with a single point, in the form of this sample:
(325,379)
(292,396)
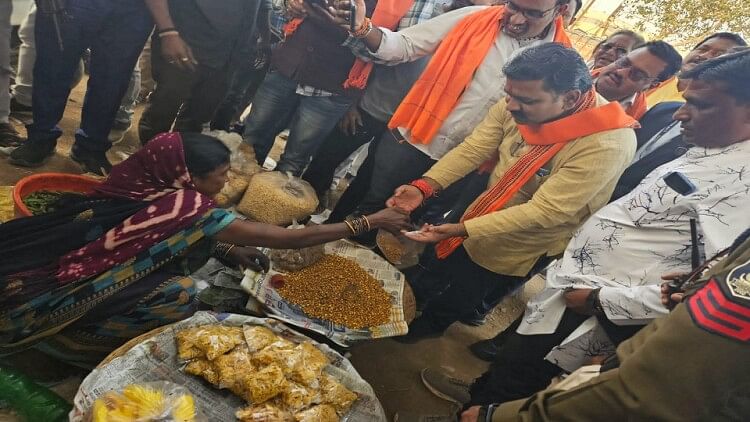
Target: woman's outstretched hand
(391,219)
(434,234)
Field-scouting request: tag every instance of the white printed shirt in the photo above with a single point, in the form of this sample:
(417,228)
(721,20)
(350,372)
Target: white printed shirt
(625,247)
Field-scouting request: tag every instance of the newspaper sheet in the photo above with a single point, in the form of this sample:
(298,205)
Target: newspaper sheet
(156,360)
(392,280)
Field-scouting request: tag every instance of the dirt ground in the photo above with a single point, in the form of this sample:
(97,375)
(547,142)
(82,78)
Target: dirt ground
(390,367)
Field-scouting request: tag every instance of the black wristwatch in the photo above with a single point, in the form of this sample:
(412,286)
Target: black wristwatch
(486,413)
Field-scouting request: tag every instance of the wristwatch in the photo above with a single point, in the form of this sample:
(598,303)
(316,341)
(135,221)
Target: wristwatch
(486,412)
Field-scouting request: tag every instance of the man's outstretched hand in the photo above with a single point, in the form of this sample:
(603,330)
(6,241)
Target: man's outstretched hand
(406,197)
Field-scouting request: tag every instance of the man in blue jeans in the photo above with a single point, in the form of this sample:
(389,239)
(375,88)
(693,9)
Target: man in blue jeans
(115,31)
(304,90)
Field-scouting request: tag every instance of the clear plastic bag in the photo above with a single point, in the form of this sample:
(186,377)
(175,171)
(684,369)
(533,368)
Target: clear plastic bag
(290,260)
(400,251)
(278,198)
(243,166)
(148,402)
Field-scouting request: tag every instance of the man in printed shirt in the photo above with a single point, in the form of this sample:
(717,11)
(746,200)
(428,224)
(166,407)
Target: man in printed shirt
(535,216)
(610,274)
(404,152)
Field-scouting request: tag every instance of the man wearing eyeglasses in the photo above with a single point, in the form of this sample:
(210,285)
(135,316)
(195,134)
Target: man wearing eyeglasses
(626,80)
(461,82)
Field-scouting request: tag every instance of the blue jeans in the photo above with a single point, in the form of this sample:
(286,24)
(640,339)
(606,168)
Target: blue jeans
(310,119)
(115,31)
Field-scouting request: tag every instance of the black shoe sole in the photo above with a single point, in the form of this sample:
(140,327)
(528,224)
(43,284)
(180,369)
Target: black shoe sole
(25,163)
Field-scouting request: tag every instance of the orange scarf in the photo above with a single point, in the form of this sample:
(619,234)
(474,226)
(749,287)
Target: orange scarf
(635,110)
(387,14)
(436,93)
(547,140)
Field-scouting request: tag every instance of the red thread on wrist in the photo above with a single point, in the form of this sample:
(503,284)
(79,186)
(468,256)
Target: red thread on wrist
(424,187)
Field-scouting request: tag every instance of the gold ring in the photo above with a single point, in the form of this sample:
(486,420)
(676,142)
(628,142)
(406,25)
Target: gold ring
(184,59)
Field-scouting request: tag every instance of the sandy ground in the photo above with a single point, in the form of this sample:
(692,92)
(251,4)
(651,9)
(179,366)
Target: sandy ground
(390,367)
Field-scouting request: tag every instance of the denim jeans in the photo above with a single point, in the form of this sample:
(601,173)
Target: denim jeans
(126,110)
(115,31)
(310,119)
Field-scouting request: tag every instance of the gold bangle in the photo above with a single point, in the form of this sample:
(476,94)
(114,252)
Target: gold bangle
(348,224)
(367,221)
(228,250)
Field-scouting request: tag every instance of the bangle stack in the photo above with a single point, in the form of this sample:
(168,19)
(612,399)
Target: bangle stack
(222,249)
(358,225)
(363,30)
(424,187)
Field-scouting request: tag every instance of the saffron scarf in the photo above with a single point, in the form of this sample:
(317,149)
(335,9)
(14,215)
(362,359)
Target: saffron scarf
(638,108)
(387,14)
(546,140)
(436,93)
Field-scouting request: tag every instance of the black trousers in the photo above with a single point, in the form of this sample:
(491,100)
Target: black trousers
(390,163)
(187,99)
(453,288)
(336,148)
(520,369)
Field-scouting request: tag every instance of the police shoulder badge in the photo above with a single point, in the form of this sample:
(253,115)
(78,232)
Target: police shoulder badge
(723,306)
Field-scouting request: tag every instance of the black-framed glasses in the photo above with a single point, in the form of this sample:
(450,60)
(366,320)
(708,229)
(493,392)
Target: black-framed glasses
(619,51)
(634,74)
(528,13)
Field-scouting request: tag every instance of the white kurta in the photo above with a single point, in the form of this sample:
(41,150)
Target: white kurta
(627,246)
(484,90)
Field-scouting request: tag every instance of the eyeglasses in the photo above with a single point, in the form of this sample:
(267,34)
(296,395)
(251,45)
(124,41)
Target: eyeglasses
(634,74)
(528,13)
(619,51)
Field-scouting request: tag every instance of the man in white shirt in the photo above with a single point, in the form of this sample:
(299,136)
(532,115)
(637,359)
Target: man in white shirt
(398,158)
(610,273)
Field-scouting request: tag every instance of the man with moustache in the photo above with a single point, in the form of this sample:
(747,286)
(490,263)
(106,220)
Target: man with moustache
(627,78)
(712,46)
(459,85)
(624,81)
(551,133)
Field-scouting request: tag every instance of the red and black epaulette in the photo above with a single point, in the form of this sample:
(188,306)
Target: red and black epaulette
(723,306)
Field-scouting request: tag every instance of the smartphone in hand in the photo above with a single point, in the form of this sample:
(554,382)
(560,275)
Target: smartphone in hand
(352,16)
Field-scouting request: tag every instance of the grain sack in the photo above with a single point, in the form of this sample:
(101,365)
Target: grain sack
(277,198)
(243,166)
(285,260)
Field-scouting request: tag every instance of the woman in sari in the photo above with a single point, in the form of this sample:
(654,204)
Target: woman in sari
(108,266)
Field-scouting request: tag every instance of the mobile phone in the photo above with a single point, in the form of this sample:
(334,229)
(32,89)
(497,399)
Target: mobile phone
(352,16)
(680,183)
